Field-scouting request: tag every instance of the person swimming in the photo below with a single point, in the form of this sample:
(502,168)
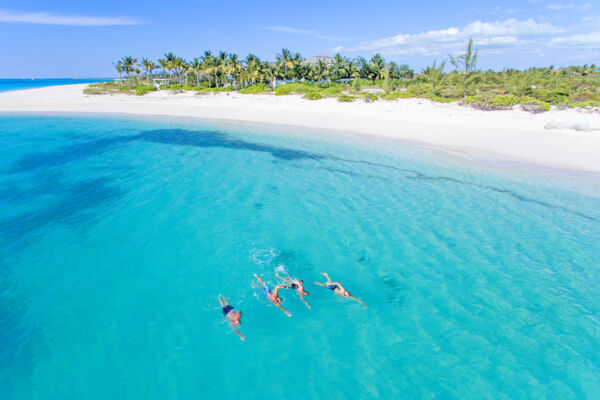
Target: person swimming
(273,296)
(338,289)
(233,317)
(297,285)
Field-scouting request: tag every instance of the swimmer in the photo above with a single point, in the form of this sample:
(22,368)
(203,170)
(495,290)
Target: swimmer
(296,285)
(273,296)
(338,289)
(233,317)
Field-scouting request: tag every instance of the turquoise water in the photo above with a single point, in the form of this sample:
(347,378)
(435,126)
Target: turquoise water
(117,236)
(20,84)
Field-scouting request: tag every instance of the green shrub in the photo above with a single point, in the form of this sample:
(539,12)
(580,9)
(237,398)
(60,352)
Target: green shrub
(331,91)
(143,89)
(534,105)
(585,104)
(370,97)
(93,90)
(490,102)
(344,98)
(255,89)
(313,96)
(397,95)
(290,88)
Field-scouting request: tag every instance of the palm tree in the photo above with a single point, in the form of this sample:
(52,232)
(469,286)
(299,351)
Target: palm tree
(221,65)
(196,69)
(321,70)
(119,67)
(377,64)
(128,64)
(148,66)
(164,64)
(235,68)
(253,68)
(465,62)
(338,67)
(207,65)
(285,60)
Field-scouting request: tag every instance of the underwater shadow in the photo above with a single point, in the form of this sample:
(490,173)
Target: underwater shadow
(182,137)
(75,200)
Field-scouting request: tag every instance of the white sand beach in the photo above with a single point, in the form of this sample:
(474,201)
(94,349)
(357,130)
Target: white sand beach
(567,139)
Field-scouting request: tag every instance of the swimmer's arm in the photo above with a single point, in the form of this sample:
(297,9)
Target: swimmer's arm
(283,279)
(282,309)
(302,298)
(320,284)
(276,290)
(359,300)
(260,280)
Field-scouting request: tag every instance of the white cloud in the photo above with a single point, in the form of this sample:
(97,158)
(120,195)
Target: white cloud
(308,32)
(586,39)
(500,33)
(558,7)
(46,18)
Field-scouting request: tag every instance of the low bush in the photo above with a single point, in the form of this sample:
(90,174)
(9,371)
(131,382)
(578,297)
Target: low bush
(290,88)
(255,89)
(313,96)
(344,98)
(397,95)
(370,97)
(143,89)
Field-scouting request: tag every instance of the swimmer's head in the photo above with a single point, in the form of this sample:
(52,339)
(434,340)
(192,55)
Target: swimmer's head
(305,292)
(346,294)
(301,282)
(279,300)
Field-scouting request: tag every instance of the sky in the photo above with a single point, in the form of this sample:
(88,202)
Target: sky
(82,38)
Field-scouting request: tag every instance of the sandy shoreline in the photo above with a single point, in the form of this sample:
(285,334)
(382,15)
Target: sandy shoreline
(567,139)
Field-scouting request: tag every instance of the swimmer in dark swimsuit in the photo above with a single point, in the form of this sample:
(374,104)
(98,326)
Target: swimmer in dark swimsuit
(338,288)
(296,285)
(233,317)
(273,296)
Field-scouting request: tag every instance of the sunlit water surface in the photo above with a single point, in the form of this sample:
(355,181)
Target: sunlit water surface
(117,235)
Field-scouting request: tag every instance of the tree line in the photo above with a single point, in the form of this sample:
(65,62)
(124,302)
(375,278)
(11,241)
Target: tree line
(224,68)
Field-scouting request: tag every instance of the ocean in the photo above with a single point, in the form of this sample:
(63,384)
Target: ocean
(117,235)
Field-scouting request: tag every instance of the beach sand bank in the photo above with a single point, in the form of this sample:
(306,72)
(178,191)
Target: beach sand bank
(568,139)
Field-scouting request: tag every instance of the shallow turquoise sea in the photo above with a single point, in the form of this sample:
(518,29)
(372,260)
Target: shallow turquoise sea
(482,280)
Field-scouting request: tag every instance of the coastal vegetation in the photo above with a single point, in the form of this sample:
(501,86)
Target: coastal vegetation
(535,89)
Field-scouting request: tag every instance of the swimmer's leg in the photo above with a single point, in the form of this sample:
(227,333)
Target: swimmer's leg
(326,276)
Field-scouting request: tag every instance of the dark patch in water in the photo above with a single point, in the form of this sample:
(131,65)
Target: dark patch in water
(393,290)
(75,200)
(183,137)
(354,174)
(66,154)
(259,206)
(273,187)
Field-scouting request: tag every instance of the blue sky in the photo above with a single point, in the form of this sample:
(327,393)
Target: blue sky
(68,38)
